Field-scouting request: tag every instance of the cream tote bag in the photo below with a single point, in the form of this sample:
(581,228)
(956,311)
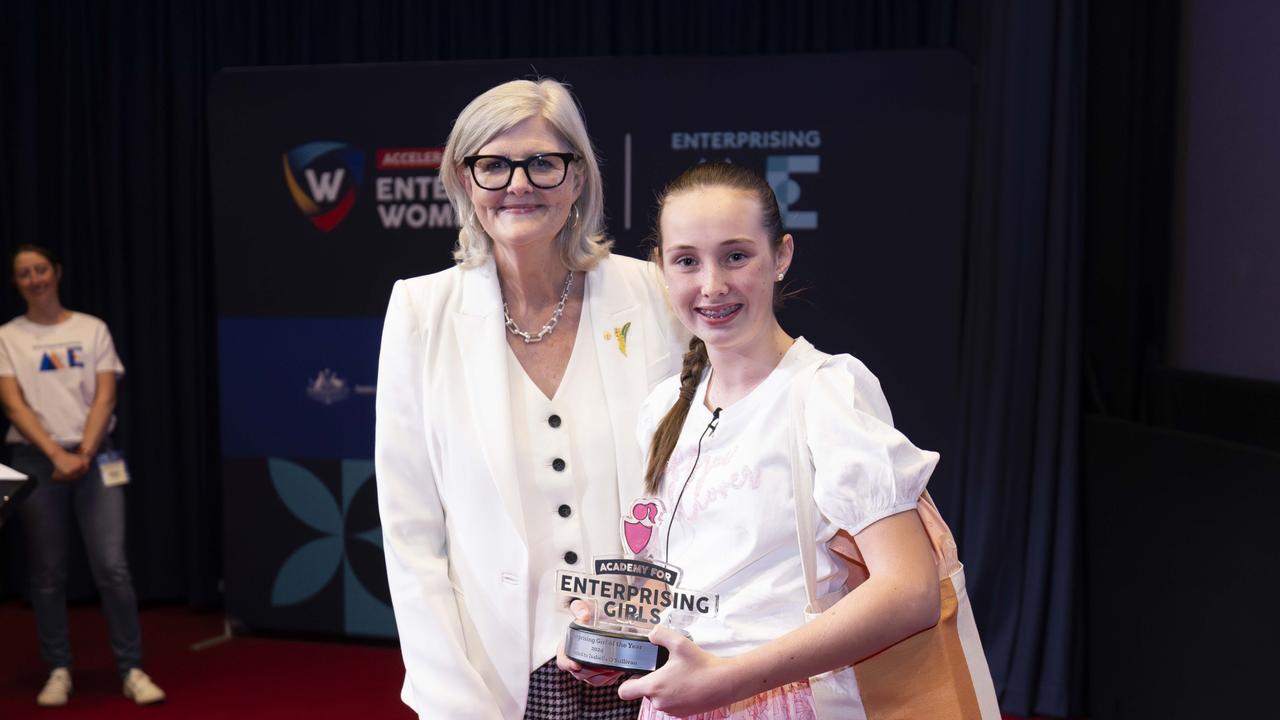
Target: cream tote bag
(939,673)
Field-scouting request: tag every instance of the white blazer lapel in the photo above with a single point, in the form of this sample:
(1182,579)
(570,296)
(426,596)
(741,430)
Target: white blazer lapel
(482,341)
(619,329)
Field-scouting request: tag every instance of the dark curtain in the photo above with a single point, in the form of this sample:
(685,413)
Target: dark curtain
(103,156)
(103,161)
(1133,130)
(1019,361)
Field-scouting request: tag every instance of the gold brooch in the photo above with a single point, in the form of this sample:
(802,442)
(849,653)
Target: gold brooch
(621,335)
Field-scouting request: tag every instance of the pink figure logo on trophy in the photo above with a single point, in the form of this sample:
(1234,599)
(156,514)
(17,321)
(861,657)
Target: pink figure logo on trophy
(637,531)
(629,595)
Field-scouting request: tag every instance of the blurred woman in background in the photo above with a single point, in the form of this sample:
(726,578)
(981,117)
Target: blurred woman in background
(58,373)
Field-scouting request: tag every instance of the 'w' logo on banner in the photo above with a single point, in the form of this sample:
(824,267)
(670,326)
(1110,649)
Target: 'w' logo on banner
(333,172)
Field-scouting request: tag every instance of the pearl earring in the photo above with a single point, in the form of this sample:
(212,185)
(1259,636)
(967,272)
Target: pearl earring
(779,277)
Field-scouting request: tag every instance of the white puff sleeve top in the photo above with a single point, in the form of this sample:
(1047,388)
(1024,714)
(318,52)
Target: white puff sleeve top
(733,531)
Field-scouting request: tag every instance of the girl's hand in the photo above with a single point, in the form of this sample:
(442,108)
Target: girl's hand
(590,676)
(693,680)
(68,466)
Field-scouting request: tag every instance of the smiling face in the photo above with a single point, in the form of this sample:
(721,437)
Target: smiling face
(520,214)
(36,277)
(720,266)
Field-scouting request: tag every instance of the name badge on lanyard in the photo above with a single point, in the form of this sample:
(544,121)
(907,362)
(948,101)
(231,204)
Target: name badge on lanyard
(112,468)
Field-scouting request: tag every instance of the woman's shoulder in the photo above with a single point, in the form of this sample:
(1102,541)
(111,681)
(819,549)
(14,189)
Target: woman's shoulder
(659,401)
(84,318)
(631,281)
(665,391)
(12,331)
(640,273)
(626,263)
(433,282)
(433,290)
(76,322)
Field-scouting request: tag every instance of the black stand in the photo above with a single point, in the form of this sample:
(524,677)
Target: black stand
(11,493)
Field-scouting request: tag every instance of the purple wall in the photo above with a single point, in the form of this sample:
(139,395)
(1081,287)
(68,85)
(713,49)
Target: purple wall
(1227,294)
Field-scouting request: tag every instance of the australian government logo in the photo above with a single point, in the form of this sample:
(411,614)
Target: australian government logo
(324,180)
(788,154)
(329,388)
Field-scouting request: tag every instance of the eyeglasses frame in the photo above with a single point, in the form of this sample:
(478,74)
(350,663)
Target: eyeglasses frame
(568,157)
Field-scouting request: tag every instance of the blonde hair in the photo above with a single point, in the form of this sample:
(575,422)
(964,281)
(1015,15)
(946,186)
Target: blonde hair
(582,241)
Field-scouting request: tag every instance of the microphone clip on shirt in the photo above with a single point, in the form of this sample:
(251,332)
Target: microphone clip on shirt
(715,422)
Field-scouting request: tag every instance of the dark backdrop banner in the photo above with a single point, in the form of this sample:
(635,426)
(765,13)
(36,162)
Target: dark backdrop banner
(326,190)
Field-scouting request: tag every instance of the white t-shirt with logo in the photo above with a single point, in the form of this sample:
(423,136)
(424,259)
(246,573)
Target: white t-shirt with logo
(734,532)
(57,368)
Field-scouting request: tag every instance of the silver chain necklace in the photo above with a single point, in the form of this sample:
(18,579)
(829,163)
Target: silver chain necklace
(551,324)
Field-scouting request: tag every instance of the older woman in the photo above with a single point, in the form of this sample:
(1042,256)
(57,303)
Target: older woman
(508,390)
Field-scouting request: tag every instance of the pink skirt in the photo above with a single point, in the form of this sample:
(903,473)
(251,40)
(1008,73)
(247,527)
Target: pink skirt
(789,702)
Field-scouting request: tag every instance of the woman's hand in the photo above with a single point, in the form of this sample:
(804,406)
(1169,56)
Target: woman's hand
(693,680)
(68,466)
(590,676)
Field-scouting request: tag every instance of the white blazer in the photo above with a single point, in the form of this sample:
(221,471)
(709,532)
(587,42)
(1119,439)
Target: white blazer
(451,511)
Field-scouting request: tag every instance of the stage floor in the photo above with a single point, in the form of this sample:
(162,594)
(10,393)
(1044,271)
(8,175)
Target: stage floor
(245,677)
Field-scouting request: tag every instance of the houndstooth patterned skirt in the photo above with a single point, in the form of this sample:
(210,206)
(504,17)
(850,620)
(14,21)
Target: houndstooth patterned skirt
(556,695)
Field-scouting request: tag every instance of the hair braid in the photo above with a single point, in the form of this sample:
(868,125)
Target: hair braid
(668,431)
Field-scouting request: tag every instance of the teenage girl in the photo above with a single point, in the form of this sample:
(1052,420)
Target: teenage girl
(732,529)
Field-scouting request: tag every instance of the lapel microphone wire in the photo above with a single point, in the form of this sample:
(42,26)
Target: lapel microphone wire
(710,428)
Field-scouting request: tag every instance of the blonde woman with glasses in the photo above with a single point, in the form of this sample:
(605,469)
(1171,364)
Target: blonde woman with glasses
(508,390)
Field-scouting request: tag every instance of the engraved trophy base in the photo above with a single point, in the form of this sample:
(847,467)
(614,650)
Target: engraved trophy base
(613,647)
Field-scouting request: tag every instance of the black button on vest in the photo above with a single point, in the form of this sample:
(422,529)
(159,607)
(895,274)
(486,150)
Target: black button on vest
(565,511)
(554,421)
(557,465)
(571,557)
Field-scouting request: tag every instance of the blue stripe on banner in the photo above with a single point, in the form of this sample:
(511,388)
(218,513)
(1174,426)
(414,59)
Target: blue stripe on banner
(298,387)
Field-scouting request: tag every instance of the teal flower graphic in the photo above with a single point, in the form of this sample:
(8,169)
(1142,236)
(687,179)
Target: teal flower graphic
(311,567)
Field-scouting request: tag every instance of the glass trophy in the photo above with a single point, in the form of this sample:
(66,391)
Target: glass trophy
(629,595)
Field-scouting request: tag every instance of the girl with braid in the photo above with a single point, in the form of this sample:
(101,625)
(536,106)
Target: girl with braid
(723,253)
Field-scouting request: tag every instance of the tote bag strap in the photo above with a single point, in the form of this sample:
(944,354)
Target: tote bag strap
(802,482)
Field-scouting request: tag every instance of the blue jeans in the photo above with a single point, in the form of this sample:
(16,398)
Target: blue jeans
(46,518)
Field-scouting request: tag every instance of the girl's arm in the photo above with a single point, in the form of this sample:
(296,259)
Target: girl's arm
(900,599)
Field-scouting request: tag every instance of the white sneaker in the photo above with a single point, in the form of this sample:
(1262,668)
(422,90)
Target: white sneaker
(139,688)
(56,689)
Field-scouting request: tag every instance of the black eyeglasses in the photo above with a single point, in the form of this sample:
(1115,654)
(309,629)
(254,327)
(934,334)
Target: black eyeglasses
(544,170)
